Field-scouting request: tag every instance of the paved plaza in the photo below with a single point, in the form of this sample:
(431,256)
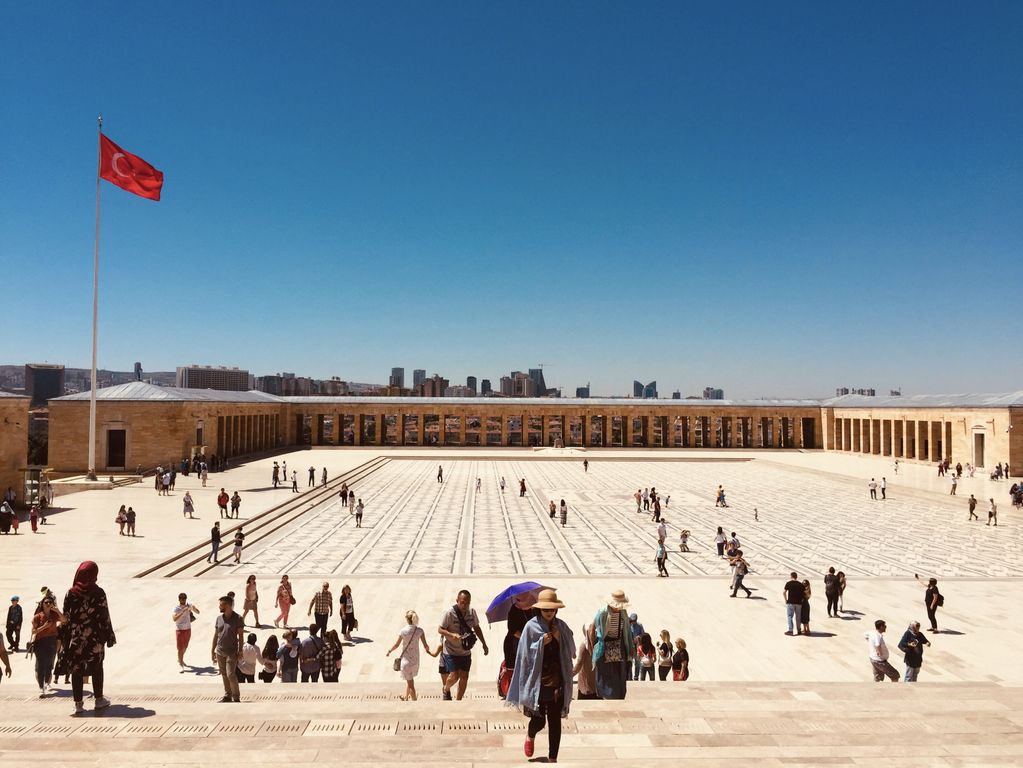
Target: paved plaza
(423,540)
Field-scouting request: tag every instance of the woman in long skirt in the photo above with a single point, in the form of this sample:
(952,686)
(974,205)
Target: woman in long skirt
(89,633)
(613,647)
(541,685)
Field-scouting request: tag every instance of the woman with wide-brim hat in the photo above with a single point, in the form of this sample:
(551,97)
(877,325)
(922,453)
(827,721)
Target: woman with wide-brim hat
(541,684)
(612,647)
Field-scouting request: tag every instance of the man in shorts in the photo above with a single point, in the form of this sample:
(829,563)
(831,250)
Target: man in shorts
(182,615)
(460,629)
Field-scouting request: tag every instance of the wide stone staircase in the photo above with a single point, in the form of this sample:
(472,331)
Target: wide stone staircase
(701,724)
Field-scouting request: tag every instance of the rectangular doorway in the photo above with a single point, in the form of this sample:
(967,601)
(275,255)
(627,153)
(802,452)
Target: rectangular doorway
(116,448)
(978,450)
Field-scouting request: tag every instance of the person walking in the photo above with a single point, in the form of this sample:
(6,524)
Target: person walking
(912,644)
(222,500)
(287,655)
(841,590)
(227,647)
(249,660)
(121,518)
(831,592)
(719,541)
(45,625)
(330,657)
(741,567)
(552,509)
(268,658)
(955,482)
(351,502)
(793,595)
(680,662)
(344,494)
(308,656)
(971,504)
(284,599)
(460,628)
(33,518)
(519,614)
(321,607)
(129,521)
(358,514)
(661,557)
(312,478)
(992,513)
(564,513)
(638,496)
(15,618)
(188,506)
(878,654)
(183,614)
(872,486)
(294,481)
(613,647)
(346,609)
(541,686)
(323,477)
(440,473)
(884,488)
(251,600)
(646,652)
(664,655)
(236,503)
(88,632)
(239,542)
(586,465)
(933,599)
(214,542)
(522,487)
(502,483)
(409,638)
(583,669)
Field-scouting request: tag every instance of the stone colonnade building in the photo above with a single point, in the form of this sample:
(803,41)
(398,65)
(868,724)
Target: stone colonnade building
(143,425)
(13,442)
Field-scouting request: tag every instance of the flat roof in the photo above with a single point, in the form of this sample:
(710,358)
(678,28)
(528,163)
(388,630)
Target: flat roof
(143,391)
(964,400)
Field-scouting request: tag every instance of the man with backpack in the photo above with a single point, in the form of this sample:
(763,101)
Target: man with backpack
(460,629)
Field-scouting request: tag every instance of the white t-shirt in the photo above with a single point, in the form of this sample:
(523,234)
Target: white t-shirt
(249,660)
(185,620)
(877,645)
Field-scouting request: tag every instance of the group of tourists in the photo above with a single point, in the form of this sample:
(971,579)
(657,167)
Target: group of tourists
(69,641)
(10,520)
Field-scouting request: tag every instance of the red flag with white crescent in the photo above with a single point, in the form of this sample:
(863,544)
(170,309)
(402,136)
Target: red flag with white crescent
(129,172)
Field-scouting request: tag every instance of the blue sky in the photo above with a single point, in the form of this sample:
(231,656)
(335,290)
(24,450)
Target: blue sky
(776,199)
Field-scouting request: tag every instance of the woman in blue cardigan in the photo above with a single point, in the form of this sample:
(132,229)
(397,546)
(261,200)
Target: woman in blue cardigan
(541,685)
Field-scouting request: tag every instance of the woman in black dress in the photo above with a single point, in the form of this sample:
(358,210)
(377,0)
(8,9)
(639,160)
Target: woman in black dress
(87,633)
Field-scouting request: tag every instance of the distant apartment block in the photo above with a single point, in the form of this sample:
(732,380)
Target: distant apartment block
(212,377)
(43,381)
(713,393)
(582,392)
(645,391)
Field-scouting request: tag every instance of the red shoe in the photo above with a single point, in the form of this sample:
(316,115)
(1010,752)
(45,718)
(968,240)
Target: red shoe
(527,747)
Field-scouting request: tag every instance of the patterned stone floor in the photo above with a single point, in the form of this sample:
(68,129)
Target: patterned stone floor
(808,520)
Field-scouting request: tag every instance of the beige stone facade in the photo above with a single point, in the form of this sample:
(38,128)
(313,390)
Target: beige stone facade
(13,442)
(145,426)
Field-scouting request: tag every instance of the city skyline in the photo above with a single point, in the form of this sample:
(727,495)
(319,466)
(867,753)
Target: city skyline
(773,201)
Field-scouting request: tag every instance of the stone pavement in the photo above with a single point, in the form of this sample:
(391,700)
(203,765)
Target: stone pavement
(423,541)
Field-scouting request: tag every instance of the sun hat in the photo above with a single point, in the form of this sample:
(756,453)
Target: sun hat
(548,600)
(618,599)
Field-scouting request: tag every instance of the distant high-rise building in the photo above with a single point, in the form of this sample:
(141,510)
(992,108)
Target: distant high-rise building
(582,392)
(507,386)
(434,386)
(397,377)
(676,395)
(470,384)
(840,391)
(210,377)
(539,385)
(865,391)
(485,387)
(645,391)
(711,393)
(895,393)
(272,384)
(138,371)
(43,382)
(418,376)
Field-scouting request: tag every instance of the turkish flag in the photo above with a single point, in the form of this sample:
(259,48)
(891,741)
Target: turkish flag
(128,171)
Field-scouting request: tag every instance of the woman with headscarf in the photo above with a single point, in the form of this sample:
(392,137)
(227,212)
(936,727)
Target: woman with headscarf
(613,647)
(89,632)
(541,685)
(584,666)
(519,614)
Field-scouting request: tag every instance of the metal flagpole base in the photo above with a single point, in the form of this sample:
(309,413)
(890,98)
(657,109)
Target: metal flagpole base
(91,475)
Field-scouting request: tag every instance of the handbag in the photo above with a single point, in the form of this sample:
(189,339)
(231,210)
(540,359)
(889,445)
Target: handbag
(397,659)
(292,600)
(468,637)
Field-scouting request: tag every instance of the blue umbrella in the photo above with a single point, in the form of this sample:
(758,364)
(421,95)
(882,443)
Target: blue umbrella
(500,605)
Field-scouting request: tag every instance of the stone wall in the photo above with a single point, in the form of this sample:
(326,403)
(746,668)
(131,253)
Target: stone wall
(13,443)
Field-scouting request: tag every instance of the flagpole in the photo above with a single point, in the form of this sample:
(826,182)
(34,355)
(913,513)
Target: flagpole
(91,475)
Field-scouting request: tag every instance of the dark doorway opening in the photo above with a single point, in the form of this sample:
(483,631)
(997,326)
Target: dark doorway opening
(116,448)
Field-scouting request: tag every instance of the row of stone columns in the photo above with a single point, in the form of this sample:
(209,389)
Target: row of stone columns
(654,431)
(919,439)
(241,434)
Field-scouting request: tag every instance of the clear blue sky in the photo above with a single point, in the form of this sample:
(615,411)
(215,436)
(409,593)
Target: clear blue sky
(772,198)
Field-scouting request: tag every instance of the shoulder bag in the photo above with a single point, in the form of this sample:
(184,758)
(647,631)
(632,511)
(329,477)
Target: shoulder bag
(468,637)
